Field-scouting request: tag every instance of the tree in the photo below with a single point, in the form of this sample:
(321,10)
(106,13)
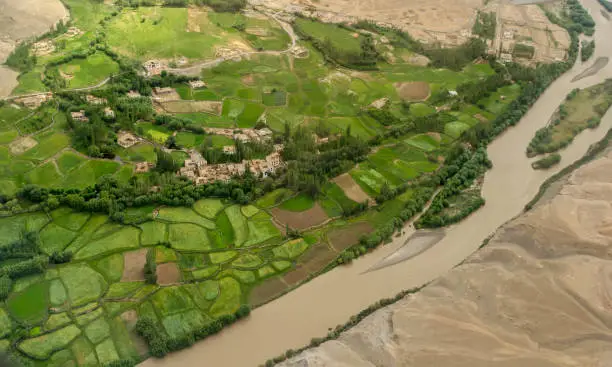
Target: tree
(150,268)
(165,161)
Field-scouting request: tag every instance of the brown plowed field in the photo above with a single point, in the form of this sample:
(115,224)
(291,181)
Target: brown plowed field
(300,220)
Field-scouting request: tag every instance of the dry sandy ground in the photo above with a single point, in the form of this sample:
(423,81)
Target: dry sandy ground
(20,20)
(540,294)
(444,22)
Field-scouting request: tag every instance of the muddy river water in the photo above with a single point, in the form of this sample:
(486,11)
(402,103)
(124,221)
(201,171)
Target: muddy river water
(309,311)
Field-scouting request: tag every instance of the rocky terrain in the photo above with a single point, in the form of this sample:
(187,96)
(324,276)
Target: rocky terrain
(539,294)
(20,20)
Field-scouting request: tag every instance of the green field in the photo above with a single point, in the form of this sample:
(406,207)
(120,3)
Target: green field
(89,71)
(153,32)
(339,37)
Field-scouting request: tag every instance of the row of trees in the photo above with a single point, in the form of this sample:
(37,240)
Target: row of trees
(485,25)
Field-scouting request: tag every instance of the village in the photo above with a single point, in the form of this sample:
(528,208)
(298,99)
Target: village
(200,172)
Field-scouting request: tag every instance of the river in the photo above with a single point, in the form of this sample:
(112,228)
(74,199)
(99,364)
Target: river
(309,311)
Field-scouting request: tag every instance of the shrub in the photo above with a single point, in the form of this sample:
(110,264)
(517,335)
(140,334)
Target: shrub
(547,162)
(588,48)
(60,257)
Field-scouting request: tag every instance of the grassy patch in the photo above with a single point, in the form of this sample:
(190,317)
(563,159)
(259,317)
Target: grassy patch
(68,161)
(123,239)
(291,249)
(299,203)
(208,207)
(239,224)
(106,352)
(55,238)
(30,306)
(229,298)
(249,116)
(89,173)
(340,38)
(90,71)
(44,176)
(43,346)
(154,32)
(225,229)
(189,237)
(111,267)
(247,261)
(48,145)
(98,330)
(83,284)
(222,257)
(153,233)
(273,198)
(184,215)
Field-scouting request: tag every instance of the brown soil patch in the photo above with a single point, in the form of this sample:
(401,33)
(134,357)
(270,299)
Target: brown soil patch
(300,220)
(264,292)
(343,238)
(413,91)
(66,76)
(257,31)
(481,118)
(351,189)
(317,257)
(418,60)
(22,144)
(134,262)
(193,19)
(296,276)
(248,79)
(130,317)
(168,273)
(192,106)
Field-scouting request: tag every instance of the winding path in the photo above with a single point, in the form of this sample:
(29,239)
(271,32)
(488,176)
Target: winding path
(330,299)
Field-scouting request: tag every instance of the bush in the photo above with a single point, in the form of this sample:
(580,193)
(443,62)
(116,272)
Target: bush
(60,257)
(547,162)
(588,48)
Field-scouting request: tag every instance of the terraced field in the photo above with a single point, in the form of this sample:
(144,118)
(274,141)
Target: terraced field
(84,311)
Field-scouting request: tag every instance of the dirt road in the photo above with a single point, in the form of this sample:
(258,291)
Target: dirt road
(292,320)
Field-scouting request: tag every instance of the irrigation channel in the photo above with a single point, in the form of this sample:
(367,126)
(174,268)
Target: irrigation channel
(311,310)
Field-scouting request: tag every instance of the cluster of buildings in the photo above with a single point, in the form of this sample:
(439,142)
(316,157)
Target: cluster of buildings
(153,67)
(243,135)
(34,101)
(198,170)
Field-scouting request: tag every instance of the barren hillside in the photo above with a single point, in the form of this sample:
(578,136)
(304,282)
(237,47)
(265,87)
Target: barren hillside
(21,20)
(540,294)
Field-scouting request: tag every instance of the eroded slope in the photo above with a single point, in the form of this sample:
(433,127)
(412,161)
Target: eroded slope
(540,294)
